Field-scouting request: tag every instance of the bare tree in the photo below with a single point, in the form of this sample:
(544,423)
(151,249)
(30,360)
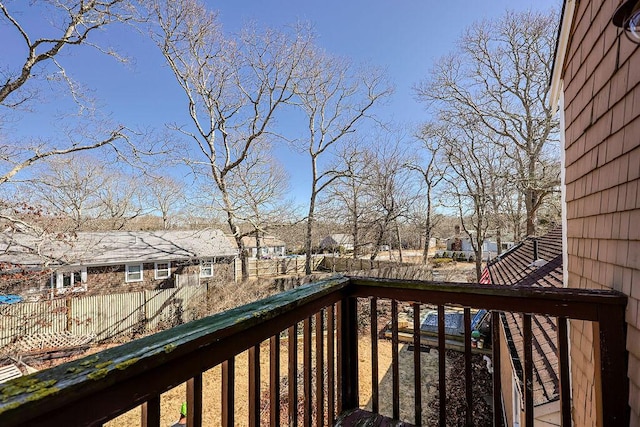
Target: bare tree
(67,186)
(499,78)
(165,195)
(472,161)
(87,192)
(390,188)
(234,88)
(431,170)
(335,98)
(39,75)
(121,200)
(259,188)
(74,22)
(348,193)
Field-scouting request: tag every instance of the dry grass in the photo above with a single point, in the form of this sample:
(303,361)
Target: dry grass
(171,400)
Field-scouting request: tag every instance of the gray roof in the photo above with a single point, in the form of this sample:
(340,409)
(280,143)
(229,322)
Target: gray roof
(271,241)
(338,239)
(114,247)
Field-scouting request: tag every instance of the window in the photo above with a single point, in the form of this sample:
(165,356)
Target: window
(517,401)
(133,273)
(70,279)
(206,267)
(162,270)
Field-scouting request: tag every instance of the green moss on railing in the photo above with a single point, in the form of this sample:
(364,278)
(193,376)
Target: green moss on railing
(26,384)
(98,374)
(103,364)
(91,375)
(124,365)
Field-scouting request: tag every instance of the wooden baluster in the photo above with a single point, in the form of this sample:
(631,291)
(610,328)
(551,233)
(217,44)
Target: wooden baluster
(274,380)
(254,386)
(293,375)
(417,365)
(151,412)
(467,367)
(395,365)
(528,369)
(331,342)
(348,345)
(563,366)
(497,384)
(375,388)
(228,395)
(609,339)
(194,401)
(442,387)
(306,366)
(339,376)
(319,318)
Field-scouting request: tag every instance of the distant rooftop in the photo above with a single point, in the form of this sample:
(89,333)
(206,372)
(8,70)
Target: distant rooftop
(113,247)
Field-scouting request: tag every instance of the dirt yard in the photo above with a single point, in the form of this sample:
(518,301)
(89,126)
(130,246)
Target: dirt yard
(171,400)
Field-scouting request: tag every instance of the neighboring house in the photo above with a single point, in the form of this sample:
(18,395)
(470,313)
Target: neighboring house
(117,261)
(463,245)
(596,84)
(534,262)
(270,246)
(337,242)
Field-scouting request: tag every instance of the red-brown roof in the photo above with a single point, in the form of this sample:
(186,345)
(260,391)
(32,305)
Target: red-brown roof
(534,262)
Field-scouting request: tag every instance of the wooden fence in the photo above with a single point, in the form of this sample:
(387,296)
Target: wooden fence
(278,266)
(340,264)
(106,316)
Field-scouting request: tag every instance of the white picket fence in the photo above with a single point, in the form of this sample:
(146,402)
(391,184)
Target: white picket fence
(106,316)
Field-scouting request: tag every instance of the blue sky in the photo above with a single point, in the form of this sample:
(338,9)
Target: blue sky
(404,37)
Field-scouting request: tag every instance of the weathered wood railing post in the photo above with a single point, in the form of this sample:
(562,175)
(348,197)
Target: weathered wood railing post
(612,358)
(348,351)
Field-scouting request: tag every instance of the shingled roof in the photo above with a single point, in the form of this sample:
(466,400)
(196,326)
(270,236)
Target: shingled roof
(534,262)
(115,247)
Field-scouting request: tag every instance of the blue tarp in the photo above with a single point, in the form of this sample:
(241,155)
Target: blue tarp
(453,321)
(10,299)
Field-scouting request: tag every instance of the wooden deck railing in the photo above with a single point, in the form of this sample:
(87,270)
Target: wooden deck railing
(100,387)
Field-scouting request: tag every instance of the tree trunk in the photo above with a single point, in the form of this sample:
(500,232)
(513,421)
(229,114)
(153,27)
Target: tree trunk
(399,243)
(478,265)
(427,229)
(242,252)
(531,212)
(307,242)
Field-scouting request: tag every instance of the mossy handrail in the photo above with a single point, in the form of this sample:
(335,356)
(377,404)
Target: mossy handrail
(104,385)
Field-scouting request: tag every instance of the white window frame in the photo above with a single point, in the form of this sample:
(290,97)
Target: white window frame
(517,402)
(127,273)
(157,270)
(206,264)
(57,279)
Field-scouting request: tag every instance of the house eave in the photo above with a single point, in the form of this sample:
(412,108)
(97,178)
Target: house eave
(562,44)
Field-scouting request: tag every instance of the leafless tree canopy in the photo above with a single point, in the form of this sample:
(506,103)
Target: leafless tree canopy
(64,26)
(498,77)
(72,24)
(335,97)
(235,88)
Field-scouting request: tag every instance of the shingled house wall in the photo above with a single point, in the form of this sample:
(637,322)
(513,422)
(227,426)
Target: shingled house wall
(601,77)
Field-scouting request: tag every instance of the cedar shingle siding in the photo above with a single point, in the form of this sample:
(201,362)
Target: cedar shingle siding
(602,114)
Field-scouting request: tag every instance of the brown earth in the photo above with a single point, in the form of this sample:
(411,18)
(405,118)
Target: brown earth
(171,400)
